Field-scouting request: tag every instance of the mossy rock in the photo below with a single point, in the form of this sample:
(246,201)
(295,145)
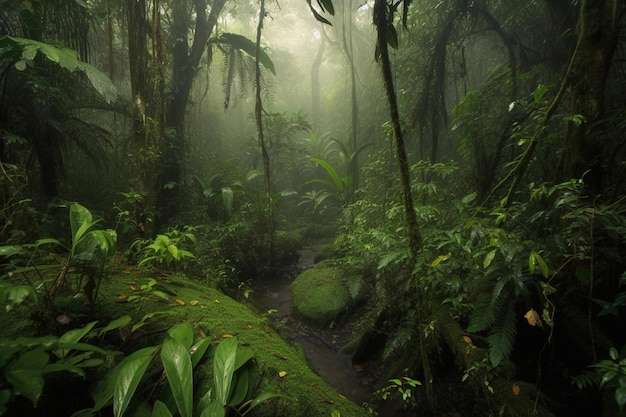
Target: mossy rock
(323,293)
(282,368)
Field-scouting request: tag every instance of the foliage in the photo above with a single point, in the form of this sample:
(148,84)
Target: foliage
(27,360)
(178,356)
(86,257)
(608,374)
(168,251)
(403,388)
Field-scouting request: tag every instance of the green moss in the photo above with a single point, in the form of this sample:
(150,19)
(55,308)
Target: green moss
(214,315)
(321,294)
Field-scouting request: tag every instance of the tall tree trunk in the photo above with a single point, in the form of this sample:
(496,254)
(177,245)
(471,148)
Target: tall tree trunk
(598,30)
(185,62)
(382,22)
(258,113)
(143,151)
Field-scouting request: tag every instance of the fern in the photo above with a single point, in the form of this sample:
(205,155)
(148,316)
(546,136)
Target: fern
(488,308)
(502,335)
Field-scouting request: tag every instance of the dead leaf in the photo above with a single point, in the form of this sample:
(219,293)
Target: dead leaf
(516,389)
(202,334)
(133,287)
(282,374)
(179,301)
(226,335)
(193,302)
(533,318)
(122,297)
(468,340)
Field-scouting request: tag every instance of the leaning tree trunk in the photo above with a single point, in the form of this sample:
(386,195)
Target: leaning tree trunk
(382,22)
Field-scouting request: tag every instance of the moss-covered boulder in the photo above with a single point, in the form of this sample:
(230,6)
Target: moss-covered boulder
(155,304)
(323,293)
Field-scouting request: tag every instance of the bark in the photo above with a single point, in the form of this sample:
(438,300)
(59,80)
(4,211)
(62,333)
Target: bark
(382,22)
(186,59)
(598,30)
(258,113)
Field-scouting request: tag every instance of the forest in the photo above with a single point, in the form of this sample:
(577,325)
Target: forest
(434,186)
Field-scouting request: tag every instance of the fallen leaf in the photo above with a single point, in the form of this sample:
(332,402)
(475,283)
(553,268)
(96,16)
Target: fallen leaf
(193,302)
(533,318)
(122,297)
(468,340)
(226,335)
(179,301)
(282,374)
(133,287)
(516,389)
(249,326)
(202,334)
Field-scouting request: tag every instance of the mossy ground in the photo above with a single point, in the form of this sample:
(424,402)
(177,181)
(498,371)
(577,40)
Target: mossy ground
(214,315)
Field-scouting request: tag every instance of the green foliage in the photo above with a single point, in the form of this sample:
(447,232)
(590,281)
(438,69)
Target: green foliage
(403,388)
(608,374)
(25,361)
(168,250)
(178,356)
(23,51)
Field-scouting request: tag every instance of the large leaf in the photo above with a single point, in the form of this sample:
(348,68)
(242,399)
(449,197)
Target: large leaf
(244,44)
(26,374)
(20,50)
(264,396)
(177,364)
(183,332)
(214,409)
(160,410)
(198,350)
(223,368)
(72,337)
(130,373)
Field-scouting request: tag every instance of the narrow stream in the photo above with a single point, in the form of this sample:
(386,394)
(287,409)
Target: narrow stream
(332,365)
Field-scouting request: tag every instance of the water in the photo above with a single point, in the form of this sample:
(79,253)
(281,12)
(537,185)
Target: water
(325,359)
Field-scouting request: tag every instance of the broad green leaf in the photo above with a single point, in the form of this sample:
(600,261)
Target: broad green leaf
(183,332)
(115,324)
(177,365)
(242,386)
(214,409)
(173,250)
(198,350)
(26,374)
(223,368)
(130,374)
(264,396)
(160,410)
(488,258)
(330,171)
(71,337)
(10,250)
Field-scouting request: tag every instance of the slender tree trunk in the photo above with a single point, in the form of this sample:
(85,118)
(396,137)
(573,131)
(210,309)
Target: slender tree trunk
(258,113)
(315,83)
(381,21)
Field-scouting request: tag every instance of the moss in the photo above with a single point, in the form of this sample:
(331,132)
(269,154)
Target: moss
(323,293)
(214,315)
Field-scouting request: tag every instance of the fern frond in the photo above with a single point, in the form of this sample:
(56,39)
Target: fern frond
(502,335)
(400,340)
(587,379)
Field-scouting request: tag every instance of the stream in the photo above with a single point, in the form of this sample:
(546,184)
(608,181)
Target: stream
(319,344)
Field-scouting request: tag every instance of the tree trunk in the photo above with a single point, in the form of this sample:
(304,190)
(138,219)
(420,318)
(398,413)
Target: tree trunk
(598,32)
(185,63)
